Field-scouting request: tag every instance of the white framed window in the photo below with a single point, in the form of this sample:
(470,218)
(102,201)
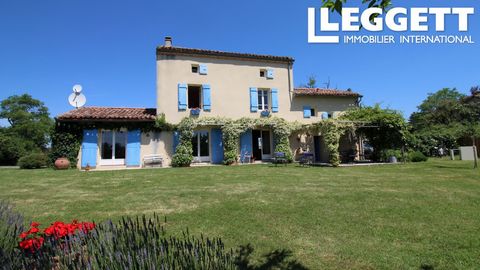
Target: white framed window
(263,99)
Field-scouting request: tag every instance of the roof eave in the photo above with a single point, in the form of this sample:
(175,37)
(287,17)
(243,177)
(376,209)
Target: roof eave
(226,55)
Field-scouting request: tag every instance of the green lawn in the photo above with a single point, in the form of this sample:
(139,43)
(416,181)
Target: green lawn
(379,217)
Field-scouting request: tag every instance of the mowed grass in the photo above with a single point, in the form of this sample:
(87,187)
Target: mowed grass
(378,217)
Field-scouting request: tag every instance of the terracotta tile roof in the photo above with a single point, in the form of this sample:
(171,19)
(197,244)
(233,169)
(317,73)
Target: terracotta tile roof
(324,92)
(109,113)
(162,50)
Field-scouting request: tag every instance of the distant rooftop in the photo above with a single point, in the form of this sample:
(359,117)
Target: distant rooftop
(324,92)
(109,113)
(169,49)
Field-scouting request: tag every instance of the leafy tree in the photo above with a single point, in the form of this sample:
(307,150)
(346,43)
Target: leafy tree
(336,5)
(444,118)
(312,82)
(384,128)
(29,120)
(11,148)
(440,108)
(29,128)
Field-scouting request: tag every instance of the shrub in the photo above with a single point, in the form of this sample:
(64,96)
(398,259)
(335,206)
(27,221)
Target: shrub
(417,156)
(386,154)
(183,155)
(11,224)
(33,161)
(65,144)
(11,149)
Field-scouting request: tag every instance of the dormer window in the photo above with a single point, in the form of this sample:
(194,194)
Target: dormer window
(194,68)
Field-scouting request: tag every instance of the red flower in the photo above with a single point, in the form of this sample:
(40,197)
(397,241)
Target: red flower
(32,241)
(33,230)
(32,244)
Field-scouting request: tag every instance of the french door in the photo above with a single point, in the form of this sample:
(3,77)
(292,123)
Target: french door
(201,146)
(261,144)
(113,148)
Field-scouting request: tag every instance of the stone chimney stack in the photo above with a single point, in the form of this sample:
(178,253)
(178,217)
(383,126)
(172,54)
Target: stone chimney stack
(168,41)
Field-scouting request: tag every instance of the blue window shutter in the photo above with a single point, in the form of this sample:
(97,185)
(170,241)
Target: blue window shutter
(207,103)
(89,148)
(133,148)
(269,73)
(245,144)
(306,112)
(274,100)
(176,140)
(253,99)
(217,146)
(203,70)
(324,115)
(182,96)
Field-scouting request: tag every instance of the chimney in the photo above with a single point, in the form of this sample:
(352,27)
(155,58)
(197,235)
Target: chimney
(168,42)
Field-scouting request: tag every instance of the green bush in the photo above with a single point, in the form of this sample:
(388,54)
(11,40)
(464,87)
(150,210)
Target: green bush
(183,155)
(417,156)
(33,161)
(65,144)
(11,149)
(386,154)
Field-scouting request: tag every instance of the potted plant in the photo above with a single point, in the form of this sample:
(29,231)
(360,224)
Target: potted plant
(195,111)
(265,113)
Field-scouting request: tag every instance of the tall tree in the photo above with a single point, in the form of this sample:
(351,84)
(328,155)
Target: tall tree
(446,118)
(440,108)
(312,82)
(336,5)
(29,120)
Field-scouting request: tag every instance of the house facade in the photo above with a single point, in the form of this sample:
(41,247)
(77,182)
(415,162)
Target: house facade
(205,83)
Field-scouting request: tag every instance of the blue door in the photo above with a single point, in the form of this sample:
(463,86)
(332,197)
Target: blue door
(217,146)
(89,148)
(133,148)
(245,145)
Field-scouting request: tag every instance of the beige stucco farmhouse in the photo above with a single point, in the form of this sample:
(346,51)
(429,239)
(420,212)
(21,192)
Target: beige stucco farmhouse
(201,83)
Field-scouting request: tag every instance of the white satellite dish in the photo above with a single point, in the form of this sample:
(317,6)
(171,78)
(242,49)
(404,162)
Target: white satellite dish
(77,100)
(77,88)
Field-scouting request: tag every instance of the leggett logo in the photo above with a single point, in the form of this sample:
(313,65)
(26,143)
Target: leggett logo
(397,19)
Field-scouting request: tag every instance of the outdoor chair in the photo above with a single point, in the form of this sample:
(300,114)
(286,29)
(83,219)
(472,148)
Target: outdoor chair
(306,159)
(246,157)
(279,158)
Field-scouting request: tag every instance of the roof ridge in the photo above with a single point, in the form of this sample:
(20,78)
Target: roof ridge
(176,49)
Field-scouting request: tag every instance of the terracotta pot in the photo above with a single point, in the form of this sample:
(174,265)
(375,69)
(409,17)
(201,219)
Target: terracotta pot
(62,163)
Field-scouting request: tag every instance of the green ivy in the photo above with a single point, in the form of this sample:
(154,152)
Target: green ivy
(231,130)
(183,153)
(331,131)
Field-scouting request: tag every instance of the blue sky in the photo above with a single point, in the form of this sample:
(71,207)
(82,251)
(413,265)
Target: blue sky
(109,47)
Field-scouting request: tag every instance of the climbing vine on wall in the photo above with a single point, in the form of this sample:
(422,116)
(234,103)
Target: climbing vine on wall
(232,130)
(331,131)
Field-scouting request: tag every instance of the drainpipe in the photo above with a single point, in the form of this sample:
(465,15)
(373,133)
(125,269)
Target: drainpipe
(289,65)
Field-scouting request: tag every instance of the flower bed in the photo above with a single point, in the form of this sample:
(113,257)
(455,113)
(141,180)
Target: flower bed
(33,239)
